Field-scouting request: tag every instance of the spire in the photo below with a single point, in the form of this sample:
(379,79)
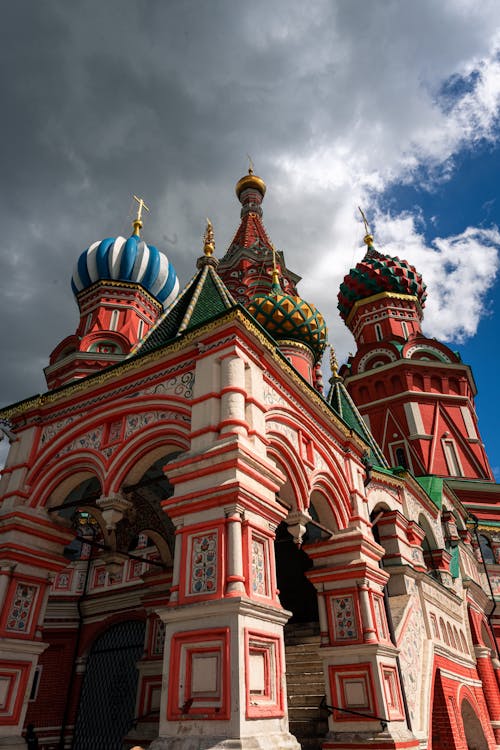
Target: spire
(345,408)
(334,366)
(208,239)
(201,300)
(248,264)
(137,223)
(368,238)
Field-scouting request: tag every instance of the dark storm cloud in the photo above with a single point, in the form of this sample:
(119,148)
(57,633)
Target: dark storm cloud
(165,98)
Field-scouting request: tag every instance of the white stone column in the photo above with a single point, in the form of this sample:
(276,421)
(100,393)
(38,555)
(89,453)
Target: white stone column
(235,580)
(174,590)
(369,633)
(233,418)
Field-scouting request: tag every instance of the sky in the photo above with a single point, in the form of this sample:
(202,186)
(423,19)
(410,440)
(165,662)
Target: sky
(390,105)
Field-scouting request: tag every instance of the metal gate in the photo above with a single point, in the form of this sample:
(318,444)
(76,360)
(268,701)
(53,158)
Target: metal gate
(107,700)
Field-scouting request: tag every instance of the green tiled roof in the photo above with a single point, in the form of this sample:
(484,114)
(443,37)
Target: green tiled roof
(202,299)
(345,408)
(434,488)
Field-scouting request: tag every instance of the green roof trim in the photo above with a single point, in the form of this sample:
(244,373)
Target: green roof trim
(345,408)
(434,487)
(454,562)
(201,300)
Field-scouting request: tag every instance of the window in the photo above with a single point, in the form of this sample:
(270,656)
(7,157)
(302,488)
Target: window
(378,331)
(486,549)
(36,682)
(404,328)
(140,330)
(450,454)
(114,320)
(401,457)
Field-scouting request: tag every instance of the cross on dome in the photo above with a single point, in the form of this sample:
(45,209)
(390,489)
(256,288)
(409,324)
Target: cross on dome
(137,223)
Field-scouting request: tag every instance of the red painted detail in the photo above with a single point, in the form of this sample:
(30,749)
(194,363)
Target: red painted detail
(352,687)
(336,637)
(266,592)
(15,674)
(185,702)
(392,692)
(264,691)
(211,584)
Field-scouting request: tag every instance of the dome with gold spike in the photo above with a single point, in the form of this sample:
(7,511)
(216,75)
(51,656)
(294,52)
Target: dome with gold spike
(290,318)
(378,273)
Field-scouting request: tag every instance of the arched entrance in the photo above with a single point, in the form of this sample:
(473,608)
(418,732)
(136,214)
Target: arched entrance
(474,734)
(297,594)
(107,701)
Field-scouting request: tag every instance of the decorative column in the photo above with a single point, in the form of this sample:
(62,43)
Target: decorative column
(490,687)
(362,682)
(31,552)
(223,670)
(233,393)
(235,578)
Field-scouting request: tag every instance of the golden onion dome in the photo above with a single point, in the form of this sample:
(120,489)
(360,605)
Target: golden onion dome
(250,180)
(290,318)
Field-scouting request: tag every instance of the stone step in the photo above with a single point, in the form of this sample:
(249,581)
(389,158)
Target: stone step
(314,687)
(304,701)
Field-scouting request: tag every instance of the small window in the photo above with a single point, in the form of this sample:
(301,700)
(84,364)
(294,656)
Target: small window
(140,330)
(452,462)
(486,549)
(88,323)
(401,457)
(378,331)
(404,328)
(36,682)
(114,320)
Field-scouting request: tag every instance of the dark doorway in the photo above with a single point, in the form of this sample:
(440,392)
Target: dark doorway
(297,593)
(107,701)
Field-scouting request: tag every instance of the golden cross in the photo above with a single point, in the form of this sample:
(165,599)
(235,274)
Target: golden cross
(365,222)
(250,164)
(137,223)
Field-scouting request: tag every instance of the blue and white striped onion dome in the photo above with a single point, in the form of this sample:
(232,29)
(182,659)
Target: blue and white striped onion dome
(129,260)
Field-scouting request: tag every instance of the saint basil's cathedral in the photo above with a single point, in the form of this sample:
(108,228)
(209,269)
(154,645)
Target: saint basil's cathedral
(204,546)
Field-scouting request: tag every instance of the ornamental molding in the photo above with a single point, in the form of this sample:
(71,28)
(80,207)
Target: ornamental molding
(427,348)
(373,353)
(93,439)
(178,385)
(296,407)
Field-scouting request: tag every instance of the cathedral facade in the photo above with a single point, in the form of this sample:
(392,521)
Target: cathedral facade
(202,546)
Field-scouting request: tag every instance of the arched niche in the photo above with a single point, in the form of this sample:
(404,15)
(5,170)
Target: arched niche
(429,543)
(473,730)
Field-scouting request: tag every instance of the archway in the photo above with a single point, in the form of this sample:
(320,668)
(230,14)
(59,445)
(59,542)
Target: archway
(297,594)
(107,701)
(474,734)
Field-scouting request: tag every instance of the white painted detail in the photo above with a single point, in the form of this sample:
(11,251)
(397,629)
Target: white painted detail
(91,264)
(114,257)
(141,261)
(162,275)
(414,418)
(469,423)
(257,676)
(452,460)
(205,672)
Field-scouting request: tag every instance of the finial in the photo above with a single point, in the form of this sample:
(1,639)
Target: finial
(276,286)
(250,164)
(368,238)
(208,239)
(334,365)
(137,223)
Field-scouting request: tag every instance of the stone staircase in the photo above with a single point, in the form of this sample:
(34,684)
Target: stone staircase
(305,684)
